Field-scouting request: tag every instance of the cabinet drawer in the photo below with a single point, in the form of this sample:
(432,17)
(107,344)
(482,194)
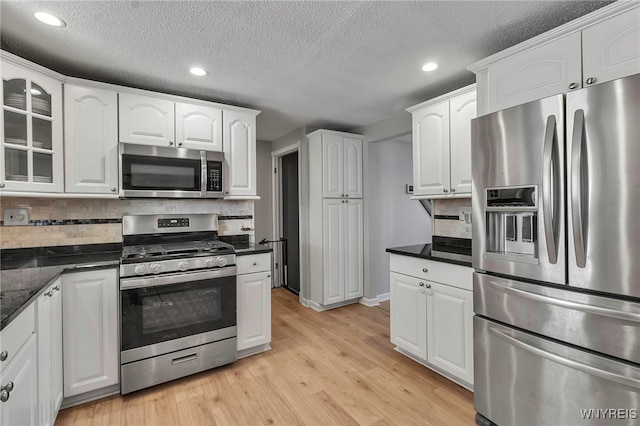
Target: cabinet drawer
(445,273)
(253,263)
(16,334)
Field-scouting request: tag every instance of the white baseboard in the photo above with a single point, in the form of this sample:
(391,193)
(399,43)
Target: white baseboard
(376,300)
(321,308)
(304,302)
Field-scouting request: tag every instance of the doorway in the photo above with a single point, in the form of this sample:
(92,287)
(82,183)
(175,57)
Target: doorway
(290,221)
(286,203)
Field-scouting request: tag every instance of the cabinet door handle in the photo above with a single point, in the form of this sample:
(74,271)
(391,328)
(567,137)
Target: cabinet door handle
(48,293)
(170,143)
(4,355)
(4,396)
(8,387)
(180,144)
(421,284)
(113,190)
(425,270)
(573,86)
(453,190)
(1,185)
(56,288)
(255,263)
(591,80)
(445,190)
(269,276)
(428,285)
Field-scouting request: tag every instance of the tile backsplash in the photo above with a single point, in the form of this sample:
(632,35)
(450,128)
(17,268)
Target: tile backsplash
(58,221)
(446,223)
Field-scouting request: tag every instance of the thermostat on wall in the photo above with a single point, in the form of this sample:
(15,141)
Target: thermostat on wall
(409,188)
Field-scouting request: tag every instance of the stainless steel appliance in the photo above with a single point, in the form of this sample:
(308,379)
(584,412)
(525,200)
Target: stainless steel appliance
(165,172)
(556,248)
(177,298)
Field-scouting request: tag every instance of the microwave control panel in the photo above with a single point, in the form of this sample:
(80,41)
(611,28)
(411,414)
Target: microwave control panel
(214,178)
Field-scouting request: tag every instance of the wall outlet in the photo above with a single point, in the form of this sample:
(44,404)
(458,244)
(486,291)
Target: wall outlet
(13,217)
(464,214)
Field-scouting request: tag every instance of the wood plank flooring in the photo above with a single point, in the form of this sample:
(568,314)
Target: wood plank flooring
(331,368)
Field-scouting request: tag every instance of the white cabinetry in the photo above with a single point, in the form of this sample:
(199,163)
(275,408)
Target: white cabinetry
(156,121)
(31,130)
(49,338)
(18,371)
(442,145)
(336,210)
(254,303)
(239,135)
(90,331)
(91,140)
(432,314)
(599,47)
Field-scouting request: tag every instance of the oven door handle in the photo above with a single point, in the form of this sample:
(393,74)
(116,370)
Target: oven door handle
(181,277)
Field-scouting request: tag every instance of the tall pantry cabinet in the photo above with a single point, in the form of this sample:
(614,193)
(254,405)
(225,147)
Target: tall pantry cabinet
(336,215)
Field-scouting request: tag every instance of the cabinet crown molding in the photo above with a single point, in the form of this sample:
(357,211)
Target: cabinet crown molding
(443,98)
(21,62)
(576,25)
(333,132)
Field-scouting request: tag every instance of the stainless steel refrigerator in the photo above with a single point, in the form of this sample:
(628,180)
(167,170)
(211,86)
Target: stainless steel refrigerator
(556,249)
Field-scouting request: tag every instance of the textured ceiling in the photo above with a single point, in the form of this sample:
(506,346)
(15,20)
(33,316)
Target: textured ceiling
(331,64)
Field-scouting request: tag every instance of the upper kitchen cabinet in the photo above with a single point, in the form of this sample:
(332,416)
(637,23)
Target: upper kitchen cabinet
(341,163)
(31,126)
(91,140)
(596,48)
(239,135)
(147,120)
(198,127)
(442,145)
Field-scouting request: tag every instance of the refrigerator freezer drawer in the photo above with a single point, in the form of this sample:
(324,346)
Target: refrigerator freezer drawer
(522,379)
(602,324)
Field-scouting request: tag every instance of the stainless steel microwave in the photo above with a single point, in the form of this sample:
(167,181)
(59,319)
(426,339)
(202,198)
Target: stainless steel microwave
(163,172)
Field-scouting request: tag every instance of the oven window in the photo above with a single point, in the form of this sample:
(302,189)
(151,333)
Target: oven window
(156,314)
(158,173)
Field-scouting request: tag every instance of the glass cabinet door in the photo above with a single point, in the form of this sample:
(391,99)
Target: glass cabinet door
(31,131)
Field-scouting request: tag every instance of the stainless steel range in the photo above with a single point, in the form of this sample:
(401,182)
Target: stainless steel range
(177,298)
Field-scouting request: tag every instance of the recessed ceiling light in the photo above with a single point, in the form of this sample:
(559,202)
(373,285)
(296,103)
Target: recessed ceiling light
(429,66)
(198,71)
(49,19)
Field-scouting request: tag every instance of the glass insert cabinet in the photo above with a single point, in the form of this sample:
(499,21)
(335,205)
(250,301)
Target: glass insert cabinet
(32,150)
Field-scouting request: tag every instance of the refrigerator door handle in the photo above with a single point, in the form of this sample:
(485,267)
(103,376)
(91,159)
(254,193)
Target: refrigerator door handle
(589,309)
(549,189)
(576,188)
(576,365)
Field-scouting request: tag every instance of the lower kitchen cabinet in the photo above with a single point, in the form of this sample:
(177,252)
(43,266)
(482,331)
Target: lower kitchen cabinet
(90,331)
(49,339)
(432,321)
(254,303)
(18,371)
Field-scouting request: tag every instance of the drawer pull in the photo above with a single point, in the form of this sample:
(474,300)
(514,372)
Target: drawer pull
(4,355)
(425,270)
(4,396)
(182,359)
(255,263)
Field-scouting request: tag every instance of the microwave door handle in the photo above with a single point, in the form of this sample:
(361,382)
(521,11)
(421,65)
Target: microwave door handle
(203,174)
(549,192)
(576,188)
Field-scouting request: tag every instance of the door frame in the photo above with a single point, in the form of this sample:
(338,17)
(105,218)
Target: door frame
(276,191)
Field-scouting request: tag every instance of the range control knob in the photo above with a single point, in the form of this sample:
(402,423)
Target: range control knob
(155,268)
(141,269)
(184,265)
(221,261)
(209,262)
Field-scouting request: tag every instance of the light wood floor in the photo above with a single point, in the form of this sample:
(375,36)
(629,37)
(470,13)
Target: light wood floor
(331,368)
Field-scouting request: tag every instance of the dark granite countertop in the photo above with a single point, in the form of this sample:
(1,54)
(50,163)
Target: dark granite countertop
(443,249)
(26,273)
(243,246)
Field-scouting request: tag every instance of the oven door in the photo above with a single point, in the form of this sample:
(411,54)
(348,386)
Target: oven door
(170,312)
(152,171)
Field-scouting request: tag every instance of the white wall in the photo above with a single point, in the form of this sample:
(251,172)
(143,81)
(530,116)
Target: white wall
(263,212)
(394,219)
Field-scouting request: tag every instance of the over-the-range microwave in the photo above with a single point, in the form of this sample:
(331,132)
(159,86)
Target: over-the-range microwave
(163,172)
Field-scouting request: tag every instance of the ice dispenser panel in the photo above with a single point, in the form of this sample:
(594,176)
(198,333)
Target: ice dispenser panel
(512,216)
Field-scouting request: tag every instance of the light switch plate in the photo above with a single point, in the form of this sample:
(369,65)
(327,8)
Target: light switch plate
(14,217)
(464,214)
